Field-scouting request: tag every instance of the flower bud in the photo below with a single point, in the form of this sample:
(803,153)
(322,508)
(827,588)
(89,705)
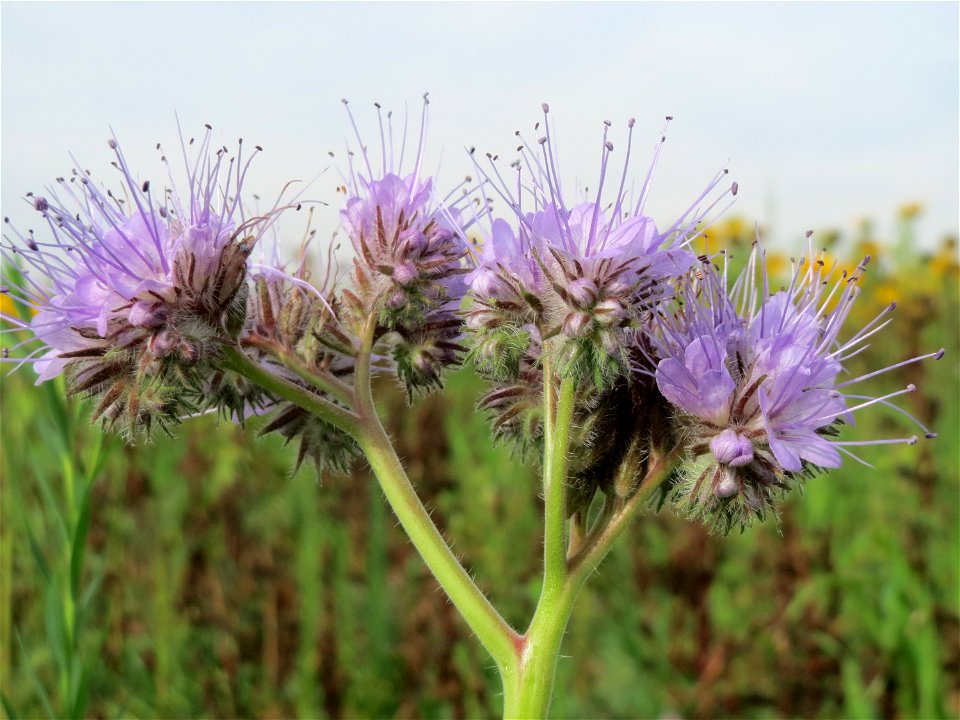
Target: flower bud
(162,343)
(609,311)
(396,300)
(485,283)
(147,314)
(731,448)
(726,484)
(405,274)
(583,292)
(576,324)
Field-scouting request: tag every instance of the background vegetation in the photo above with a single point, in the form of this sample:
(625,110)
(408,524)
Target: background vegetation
(197,577)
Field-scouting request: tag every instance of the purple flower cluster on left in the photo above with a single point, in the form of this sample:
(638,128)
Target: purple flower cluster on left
(128,286)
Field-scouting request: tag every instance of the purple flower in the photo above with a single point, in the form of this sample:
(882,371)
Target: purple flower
(590,268)
(128,282)
(755,379)
(410,245)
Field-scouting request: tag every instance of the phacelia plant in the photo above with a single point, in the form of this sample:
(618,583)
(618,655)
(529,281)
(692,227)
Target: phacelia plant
(634,370)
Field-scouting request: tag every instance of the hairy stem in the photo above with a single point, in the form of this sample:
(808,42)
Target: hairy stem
(612,525)
(490,628)
(337,416)
(323,381)
(528,693)
(558,415)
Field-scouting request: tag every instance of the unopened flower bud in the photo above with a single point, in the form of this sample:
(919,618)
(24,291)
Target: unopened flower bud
(147,314)
(396,300)
(583,292)
(727,484)
(485,283)
(576,324)
(477,321)
(609,311)
(189,352)
(162,344)
(423,364)
(405,274)
(731,448)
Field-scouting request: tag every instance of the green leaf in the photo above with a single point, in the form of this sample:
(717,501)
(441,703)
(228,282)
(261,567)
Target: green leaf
(79,543)
(81,694)
(38,686)
(37,553)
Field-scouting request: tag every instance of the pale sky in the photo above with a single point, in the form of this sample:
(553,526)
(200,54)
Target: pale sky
(826,112)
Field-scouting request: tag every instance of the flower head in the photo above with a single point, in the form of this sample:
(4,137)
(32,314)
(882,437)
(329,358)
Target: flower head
(586,269)
(131,285)
(409,245)
(755,378)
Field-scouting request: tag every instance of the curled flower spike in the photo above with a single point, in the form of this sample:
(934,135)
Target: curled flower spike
(410,248)
(133,292)
(584,271)
(409,245)
(754,377)
(294,317)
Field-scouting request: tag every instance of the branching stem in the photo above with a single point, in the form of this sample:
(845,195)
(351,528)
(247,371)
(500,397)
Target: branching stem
(491,629)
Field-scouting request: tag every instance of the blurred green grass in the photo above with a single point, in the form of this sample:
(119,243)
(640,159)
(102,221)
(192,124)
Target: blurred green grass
(214,583)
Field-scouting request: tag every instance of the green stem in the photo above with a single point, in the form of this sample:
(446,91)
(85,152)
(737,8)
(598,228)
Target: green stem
(599,543)
(491,629)
(323,381)
(528,691)
(558,414)
(337,416)
(530,688)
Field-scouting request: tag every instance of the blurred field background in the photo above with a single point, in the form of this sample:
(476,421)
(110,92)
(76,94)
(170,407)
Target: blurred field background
(196,577)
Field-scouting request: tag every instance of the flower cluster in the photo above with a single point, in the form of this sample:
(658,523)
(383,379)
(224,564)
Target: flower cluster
(139,296)
(136,290)
(581,271)
(755,379)
(409,254)
(571,279)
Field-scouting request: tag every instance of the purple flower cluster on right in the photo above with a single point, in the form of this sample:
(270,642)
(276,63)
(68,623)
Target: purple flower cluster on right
(755,377)
(746,382)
